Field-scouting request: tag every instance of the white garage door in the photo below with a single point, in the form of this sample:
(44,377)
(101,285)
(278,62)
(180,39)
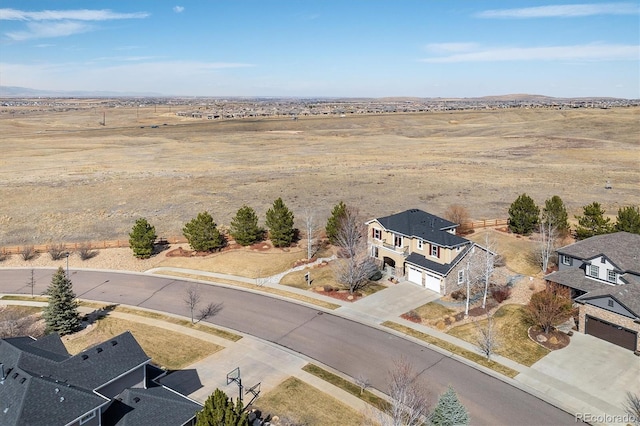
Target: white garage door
(432,283)
(414,275)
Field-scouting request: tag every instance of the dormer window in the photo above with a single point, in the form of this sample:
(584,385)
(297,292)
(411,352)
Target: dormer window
(594,271)
(566,260)
(612,277)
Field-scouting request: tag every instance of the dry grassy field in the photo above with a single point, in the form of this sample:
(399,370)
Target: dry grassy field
(65,177)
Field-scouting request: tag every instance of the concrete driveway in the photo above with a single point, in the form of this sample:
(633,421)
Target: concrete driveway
(600,374)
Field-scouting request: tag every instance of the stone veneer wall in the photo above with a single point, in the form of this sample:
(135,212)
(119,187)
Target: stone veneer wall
(596,312)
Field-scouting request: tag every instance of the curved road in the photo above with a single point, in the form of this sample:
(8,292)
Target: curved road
(350,347)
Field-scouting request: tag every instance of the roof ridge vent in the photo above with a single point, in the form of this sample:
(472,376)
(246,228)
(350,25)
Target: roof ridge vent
(136,399)
(85,356)
(98,350)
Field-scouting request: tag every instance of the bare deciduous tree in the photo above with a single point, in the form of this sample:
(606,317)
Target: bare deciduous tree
(549,307)
(192,300)
(28,252)
(354,265)
(409,402)
(57,251)
(363,382)
(487,339)
(487,265)
(311,228)
(457,214)
(632,408)
(86,252)
(548,243)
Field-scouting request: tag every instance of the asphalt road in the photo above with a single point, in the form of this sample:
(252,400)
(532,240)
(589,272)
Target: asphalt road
(350,347)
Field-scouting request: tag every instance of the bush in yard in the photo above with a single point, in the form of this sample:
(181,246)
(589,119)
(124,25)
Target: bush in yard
(549,307)
(61,313)
(141,239)
(28,253)
(244,227)
(280,224)
(86,252)
(458,295)
(57,251)
(202,233)
(523,215)
(501,293)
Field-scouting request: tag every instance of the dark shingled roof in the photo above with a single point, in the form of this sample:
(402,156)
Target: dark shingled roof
(622,248)
(420,224)
(627,294)
(150,407)
(575,278)
(442,269)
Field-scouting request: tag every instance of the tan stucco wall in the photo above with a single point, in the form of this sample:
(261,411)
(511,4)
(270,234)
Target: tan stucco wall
(611,317)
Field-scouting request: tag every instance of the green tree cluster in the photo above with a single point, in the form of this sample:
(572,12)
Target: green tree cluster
(333,223)
(141,239)
(202,233)
(628,220)
(244,227)
(555,214)
(449,411)
(592,222)
(523,215)
(61,313)
(219,410)
(280,224)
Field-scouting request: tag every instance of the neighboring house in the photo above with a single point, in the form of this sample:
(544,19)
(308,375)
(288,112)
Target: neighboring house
(422,248)
(107,384)
(603,275)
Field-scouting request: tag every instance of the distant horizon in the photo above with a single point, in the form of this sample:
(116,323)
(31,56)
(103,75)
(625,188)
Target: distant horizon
(44,93)
(324,48)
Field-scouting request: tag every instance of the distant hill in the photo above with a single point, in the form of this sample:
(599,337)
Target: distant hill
(25,92)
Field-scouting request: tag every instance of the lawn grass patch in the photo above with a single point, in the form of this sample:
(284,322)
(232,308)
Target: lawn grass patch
(27,298)
(319,277)
(433,311)
(168,349)
(344,384)
(518,251)
(22,311)
(305,405)
(471,356)
(263,289)
(512,332)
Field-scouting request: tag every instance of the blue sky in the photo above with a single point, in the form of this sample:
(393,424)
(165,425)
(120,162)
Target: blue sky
(323,48)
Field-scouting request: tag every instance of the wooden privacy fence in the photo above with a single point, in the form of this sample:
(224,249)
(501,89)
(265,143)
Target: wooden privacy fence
(485,223)
(90,245)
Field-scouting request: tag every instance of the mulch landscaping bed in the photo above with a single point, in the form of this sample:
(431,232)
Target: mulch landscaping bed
(553,341)
(342,295)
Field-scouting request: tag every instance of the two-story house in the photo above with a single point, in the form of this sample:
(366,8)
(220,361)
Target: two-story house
(422,248)
(603,275)
(41,384)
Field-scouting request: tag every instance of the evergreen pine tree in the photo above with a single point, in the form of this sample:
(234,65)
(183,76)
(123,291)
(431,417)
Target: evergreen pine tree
(202,233)
(449,411)
(280,224)
(554,212)
(219,410)
(628,220)
(244,227)
(61,313)
(333,223)
(592,222)
(523,215)
(141,239)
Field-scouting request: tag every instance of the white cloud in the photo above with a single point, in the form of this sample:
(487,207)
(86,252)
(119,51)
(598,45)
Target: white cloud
(584,52)
(59,23)
(563,11)
(76,15)
(49,29)
(178,9)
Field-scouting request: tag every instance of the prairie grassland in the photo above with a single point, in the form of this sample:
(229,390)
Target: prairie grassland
(64,177)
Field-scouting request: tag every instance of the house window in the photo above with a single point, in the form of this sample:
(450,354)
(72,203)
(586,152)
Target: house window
(566,260)
(374,251)
(594,271)
(461,276)
(398,241)
(612,276)
(610,303)
(87,417)
(377,234)
(434,250)
(602,260)
(420,244)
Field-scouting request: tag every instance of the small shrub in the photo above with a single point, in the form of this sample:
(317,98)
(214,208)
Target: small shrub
(327,288)
(458,295)
(28,253)
(57,251)
(86,252)
(3,254)
(412,316)
(499,261)
(500,294)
